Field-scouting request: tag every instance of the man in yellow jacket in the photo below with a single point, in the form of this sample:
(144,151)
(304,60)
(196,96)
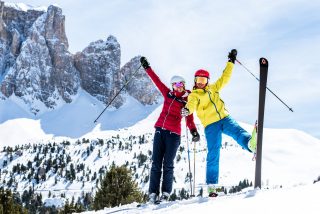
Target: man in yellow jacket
(205,100)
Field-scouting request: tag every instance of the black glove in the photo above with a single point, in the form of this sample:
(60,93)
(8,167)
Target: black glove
(144,62)
(184,112)
(195,135)
(232,56)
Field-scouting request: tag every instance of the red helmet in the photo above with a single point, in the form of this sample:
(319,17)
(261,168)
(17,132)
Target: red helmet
(202,73)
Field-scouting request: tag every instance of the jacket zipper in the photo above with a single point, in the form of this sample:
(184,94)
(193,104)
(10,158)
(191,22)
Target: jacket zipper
(167,113)
(214,105)
(224,106)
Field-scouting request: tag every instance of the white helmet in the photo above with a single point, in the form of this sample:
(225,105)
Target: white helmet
(177,79)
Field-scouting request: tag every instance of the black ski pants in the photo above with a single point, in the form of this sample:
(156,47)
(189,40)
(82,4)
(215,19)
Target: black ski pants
(165,146)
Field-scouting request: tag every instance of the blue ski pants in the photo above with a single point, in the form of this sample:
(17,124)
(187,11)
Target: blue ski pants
(165,146)
(213,133)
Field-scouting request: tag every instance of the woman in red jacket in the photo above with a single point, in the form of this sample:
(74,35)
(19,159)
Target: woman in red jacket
(167,135)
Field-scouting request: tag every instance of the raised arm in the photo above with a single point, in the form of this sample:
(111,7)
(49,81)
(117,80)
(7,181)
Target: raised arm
(224,78)
(154,77)
(226,74)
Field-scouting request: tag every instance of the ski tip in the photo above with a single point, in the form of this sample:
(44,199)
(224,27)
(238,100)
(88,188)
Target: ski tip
(263,62)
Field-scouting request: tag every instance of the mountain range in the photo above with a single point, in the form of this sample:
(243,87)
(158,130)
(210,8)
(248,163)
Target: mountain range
(37,68)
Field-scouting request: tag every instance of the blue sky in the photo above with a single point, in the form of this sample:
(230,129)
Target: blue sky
(179,37)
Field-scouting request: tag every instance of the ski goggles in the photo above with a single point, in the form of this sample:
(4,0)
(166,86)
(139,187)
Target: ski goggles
(202,80)
(178,84)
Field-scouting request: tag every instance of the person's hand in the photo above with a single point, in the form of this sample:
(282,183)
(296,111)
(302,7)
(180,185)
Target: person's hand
(185,112)
(144,62)
(232,55)
(195,135)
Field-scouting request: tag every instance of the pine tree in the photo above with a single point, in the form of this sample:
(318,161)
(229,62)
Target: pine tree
(9,203)
(141,159)
(117,187)
(67,208)
(173,196)
(72,172)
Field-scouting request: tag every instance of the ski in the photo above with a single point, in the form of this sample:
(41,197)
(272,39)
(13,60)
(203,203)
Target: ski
(262,96)
(163,204)
(158,202)
(156,205)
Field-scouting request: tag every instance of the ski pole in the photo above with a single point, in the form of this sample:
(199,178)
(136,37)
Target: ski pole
(117,94)
(194,168)
(189,159)
(266,86)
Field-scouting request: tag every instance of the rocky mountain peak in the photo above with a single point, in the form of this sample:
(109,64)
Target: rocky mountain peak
(42,70)
(36,66)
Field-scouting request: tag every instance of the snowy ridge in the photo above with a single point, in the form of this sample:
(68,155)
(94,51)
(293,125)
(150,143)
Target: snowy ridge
(72,120)
(25,7)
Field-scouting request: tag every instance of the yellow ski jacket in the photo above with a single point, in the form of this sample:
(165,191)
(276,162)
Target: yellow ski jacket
(207,103)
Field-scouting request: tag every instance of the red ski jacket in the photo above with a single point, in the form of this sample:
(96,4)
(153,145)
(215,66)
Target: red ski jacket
(170,116)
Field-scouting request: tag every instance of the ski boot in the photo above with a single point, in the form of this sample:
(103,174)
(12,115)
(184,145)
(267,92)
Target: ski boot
(252,145)
(165,196)
(212,191)
(152,198)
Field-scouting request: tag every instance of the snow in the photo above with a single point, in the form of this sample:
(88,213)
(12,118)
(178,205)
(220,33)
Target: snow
(302,199)
(290,157)
(25,7)
(74,120)
(25,128)
(57,202)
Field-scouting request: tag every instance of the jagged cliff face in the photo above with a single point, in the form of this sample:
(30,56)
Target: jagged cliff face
(140,86)
(101,76)
(99,66)
(14,26)
(36,66)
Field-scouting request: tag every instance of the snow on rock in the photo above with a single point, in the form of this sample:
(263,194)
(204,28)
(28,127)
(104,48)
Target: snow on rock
(140,87)
(99,66)
(40,68)
(25,7)
(36,66)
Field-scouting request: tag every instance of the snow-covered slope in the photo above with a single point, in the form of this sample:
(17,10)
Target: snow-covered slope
(290,157)
(69,120)
(301,199)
